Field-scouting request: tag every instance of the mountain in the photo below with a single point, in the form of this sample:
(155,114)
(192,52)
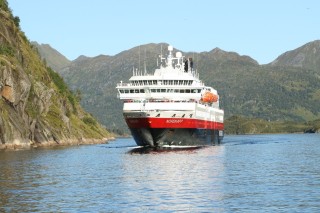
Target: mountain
(274,92)
(264,91)
(306,56)
(53,58)
(36,106)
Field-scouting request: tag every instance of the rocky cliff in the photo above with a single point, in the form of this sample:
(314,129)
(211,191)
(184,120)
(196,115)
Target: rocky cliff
(36,107)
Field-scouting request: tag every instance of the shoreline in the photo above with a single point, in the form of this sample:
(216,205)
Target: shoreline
(17,145)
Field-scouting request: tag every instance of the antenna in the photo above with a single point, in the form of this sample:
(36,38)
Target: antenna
(193,58)
(197,62)
(139,58)
(145,67)
(160,55)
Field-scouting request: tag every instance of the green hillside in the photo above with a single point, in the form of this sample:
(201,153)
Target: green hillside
(36,106)
(243,125)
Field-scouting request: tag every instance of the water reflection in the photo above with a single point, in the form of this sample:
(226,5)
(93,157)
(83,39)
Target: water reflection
(158,150)
(175,179)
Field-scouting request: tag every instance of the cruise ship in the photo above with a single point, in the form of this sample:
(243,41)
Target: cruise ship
(171,107)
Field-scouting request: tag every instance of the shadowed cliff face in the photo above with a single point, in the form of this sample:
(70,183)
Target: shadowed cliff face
(36,107)
(14,90)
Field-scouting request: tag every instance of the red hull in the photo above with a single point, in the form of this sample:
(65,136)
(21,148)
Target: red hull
(173,123)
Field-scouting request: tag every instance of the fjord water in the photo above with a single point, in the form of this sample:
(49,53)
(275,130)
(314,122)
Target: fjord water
(251,173)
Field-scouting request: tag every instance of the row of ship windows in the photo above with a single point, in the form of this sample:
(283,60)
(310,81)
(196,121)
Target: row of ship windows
(160,90)
(162,82)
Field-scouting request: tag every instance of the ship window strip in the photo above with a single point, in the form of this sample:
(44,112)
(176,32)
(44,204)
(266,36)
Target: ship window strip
(162,90)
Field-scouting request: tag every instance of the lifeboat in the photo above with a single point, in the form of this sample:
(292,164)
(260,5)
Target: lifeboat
(209,97)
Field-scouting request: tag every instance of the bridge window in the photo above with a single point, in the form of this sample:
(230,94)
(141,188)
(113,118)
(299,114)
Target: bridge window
(196,90)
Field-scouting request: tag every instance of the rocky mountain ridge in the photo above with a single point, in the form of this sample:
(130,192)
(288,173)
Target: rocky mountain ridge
(52,57)
(306,56)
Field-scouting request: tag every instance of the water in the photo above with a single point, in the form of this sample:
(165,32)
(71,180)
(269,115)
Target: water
(255,173)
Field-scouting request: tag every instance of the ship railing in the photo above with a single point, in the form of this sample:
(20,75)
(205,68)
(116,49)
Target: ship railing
(215,104)
(161,84)
(160,101)
(121,84)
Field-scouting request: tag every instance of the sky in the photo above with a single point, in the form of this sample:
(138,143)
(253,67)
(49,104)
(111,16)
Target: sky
(261,29)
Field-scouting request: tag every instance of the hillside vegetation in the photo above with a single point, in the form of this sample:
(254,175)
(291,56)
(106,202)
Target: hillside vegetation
(36,106)
(242,125)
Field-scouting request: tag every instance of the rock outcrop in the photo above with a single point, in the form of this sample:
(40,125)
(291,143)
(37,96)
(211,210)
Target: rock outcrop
(36,107)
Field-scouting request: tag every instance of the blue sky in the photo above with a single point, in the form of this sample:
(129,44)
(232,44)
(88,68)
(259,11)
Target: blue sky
(260,29)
